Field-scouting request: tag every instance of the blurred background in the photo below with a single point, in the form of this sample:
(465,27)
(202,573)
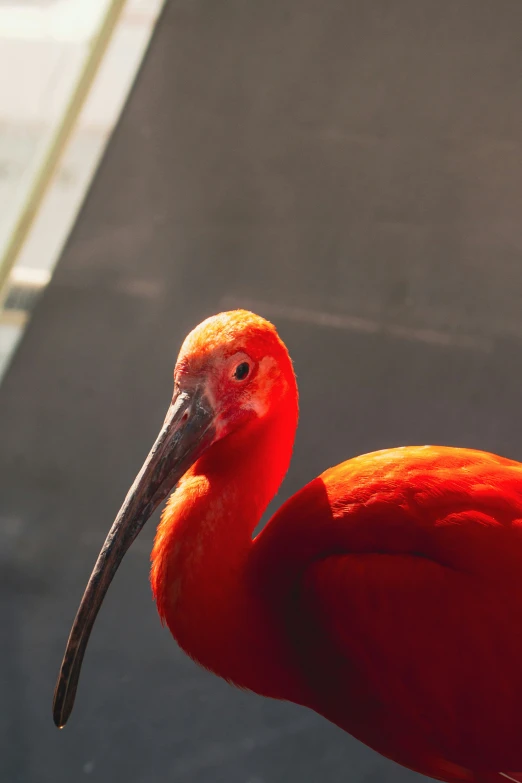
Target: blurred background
(352,171)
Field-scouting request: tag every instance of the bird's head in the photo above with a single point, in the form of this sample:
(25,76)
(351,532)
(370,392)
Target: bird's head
(236,367)
(232,372)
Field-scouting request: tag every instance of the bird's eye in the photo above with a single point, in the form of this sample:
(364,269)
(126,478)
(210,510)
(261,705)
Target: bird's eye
(242,371)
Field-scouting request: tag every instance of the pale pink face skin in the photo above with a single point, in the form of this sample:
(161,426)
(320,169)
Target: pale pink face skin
(235,400)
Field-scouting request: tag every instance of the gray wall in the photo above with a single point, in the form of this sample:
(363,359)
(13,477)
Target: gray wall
(352,170)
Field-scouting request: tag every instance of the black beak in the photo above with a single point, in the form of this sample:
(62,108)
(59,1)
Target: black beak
(187,431)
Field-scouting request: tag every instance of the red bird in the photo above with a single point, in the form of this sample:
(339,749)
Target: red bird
(386,595)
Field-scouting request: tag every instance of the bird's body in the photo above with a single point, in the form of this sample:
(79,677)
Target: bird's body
(385,595)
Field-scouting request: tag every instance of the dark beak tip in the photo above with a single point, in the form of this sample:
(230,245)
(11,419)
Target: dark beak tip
(58,719)
(63,699)
(58,722)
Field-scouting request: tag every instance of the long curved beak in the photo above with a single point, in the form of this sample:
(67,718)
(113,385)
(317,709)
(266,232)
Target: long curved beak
(187,431)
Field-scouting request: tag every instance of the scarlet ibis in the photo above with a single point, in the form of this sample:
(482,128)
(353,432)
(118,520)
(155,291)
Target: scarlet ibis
(386,594)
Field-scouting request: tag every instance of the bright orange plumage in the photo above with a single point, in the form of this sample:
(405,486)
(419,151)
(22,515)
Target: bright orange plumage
(386,594)
(411,615)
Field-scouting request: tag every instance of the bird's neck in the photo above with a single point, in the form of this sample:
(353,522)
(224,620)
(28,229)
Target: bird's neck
(200,563)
